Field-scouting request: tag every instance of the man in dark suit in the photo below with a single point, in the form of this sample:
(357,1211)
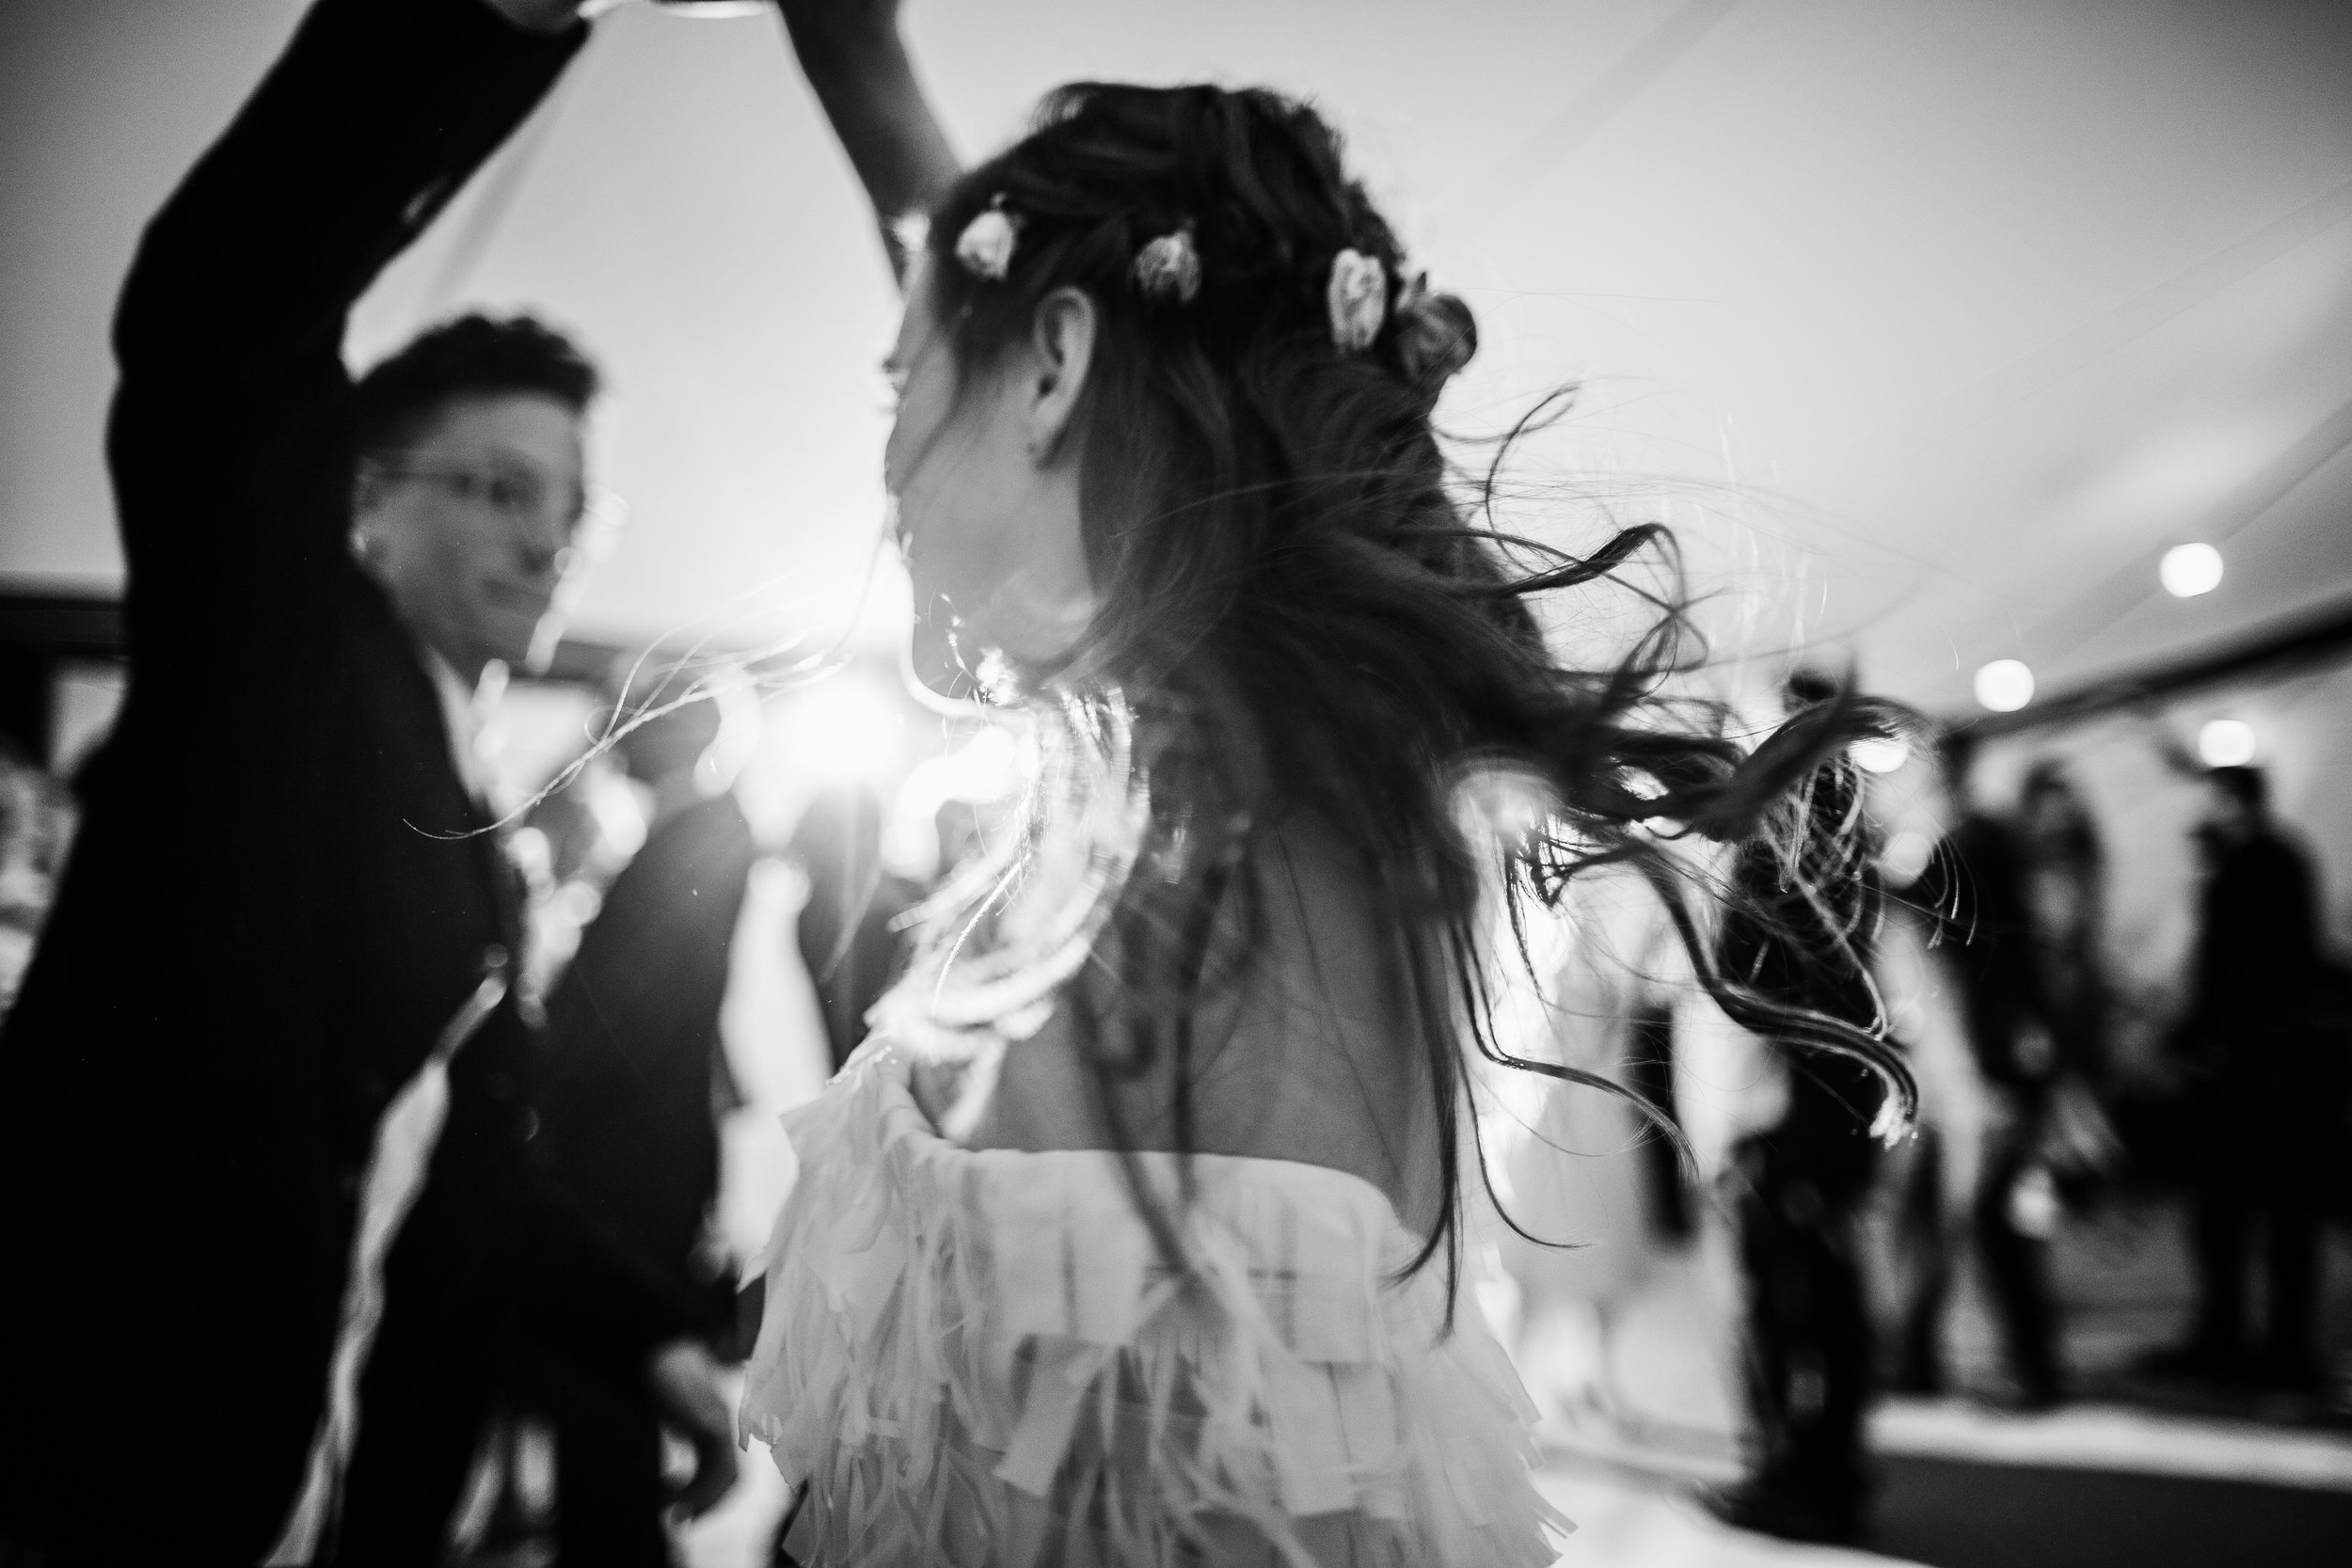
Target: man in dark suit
(1973,890)
(286,914)
(2261,1091)
(631,1095)
(1803,941)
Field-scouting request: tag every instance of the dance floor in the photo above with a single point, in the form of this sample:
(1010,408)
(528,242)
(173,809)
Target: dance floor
(1952,1514)
(1939,1508)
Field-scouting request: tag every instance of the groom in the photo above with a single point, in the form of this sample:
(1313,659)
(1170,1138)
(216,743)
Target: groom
(272,1011)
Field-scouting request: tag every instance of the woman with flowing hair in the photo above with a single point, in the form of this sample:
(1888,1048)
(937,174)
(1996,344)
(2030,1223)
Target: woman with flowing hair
(2065,894)
(1132,1233)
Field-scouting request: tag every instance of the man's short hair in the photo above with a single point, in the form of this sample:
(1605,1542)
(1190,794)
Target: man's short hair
(471,356)
(2250,784)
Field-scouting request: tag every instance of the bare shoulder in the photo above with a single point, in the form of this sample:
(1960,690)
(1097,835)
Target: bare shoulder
(1316,1036)
(1307,1039)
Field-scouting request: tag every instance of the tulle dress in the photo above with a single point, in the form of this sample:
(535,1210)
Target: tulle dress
(979,1357)
(982,1358)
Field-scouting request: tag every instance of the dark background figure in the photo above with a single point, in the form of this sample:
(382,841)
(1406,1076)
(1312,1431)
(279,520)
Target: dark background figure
(281,906)
(2076,1151)
(2064,865)
(845,931)
(2261,1091)
(630,1098)
(1801,937)
(1974,892)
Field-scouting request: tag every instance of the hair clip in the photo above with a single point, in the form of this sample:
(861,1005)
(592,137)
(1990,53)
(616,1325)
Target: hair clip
(1358,298)
(1168,270)
(985,247)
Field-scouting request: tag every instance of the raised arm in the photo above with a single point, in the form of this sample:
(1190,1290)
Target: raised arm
(858,66)
(230,331)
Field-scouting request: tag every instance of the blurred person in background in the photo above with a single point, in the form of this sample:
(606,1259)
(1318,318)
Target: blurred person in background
(2077,1148)
(633,1088)
(263,1123)
(2261,1089)
(1974,892)
(1802,936)
(2065,900)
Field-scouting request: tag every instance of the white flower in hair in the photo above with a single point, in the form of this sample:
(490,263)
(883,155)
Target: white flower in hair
(985,247)
(1358,296)
(1169,268)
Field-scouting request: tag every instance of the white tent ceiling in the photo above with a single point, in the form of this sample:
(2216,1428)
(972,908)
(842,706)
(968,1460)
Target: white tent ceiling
(1931,324)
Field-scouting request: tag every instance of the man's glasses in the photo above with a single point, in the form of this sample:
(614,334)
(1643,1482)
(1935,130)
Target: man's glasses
(519,497)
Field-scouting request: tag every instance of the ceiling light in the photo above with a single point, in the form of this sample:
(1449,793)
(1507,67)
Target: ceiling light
(2188,570)
(2005,685)
(2226,743)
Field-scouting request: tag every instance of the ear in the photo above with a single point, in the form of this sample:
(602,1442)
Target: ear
(1061,343)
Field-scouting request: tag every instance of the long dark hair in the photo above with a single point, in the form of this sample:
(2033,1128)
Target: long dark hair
(1307,609)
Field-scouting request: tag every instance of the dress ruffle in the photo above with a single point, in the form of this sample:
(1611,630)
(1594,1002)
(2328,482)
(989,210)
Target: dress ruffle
(979,1358)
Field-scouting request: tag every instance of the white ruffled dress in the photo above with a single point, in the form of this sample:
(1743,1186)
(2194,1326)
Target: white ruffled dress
(979,1358)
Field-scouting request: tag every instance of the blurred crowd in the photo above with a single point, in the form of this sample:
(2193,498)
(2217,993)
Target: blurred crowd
(2057,1093)
(1992,961)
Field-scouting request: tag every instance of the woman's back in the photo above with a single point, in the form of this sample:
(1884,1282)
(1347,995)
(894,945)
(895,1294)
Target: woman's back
(1307,1040)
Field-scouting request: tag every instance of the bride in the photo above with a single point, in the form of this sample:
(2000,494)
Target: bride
(1130,1236)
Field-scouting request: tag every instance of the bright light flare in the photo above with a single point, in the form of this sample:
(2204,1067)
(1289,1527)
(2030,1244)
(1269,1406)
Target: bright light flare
(1509,802)
(1879,754)
(990,768)
(2005,685)
(2188,570)
(1906,856)
(849,728)
(2227,743)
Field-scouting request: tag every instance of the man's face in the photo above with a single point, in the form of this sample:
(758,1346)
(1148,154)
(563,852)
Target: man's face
(469,526)
(2227,816)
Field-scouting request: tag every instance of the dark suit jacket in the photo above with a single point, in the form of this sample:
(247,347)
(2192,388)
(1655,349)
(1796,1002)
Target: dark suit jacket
(846,932)
(1974,888)
(2257,954)
(278,895)
(628,1095)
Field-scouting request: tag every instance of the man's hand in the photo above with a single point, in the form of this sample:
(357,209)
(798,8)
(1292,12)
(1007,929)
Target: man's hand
(686,1385)
(538,16)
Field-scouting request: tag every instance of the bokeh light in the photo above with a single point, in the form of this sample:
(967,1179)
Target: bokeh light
(2188,570)
(851,726)
(1906,857)
(2227,743)
(1879,754)
(2005,685)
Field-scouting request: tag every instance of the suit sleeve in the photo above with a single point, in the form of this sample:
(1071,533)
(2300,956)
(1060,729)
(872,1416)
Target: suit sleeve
(229,333)
(577,1287)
